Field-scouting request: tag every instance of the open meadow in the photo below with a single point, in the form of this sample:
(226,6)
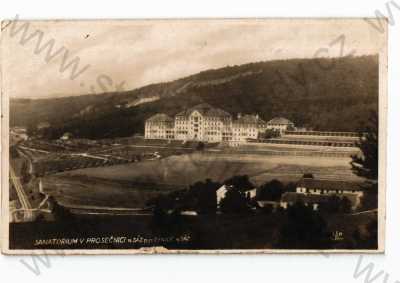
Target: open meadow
(89,193)
(183,170)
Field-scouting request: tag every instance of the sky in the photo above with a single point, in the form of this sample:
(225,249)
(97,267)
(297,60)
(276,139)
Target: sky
(115,55)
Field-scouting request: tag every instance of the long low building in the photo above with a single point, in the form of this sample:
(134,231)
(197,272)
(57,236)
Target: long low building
(209,124)
(313,192)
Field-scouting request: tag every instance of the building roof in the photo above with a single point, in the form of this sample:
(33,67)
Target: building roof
(250,119)
(279,121)
(205,109)
(160,118)
(333,185)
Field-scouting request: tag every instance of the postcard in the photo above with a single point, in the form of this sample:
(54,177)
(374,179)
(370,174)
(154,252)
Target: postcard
(193,136)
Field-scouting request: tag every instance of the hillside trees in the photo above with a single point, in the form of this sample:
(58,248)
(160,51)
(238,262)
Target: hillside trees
(204,194)
(303,229)
(272,191)
(367,164)
(234,202)
(240,182)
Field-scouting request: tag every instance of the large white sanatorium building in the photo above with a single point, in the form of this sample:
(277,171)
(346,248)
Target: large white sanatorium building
(206,123)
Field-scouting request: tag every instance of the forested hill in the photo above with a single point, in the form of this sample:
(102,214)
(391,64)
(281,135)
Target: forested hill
(323,94)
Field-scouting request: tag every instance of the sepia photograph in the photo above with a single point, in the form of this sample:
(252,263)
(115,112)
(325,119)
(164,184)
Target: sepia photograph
(194,135)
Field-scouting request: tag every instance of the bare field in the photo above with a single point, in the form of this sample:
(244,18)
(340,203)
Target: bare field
(183,170)
(83,191)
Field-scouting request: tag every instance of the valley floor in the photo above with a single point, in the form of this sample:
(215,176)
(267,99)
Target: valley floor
(130,185)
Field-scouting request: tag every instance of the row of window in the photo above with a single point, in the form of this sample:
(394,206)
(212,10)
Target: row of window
(305,190)
(228,134)
(212,133)
(184,123)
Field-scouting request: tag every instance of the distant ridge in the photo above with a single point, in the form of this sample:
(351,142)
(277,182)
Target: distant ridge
(324,94)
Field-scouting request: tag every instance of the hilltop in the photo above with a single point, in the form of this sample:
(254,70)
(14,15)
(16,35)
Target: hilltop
(324,94)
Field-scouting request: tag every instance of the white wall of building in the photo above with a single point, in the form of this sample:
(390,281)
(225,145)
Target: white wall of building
(198,127)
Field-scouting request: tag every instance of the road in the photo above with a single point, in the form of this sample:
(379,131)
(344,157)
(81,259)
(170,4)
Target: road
(30,170)
(143,146)
(23,198)
(34,149)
